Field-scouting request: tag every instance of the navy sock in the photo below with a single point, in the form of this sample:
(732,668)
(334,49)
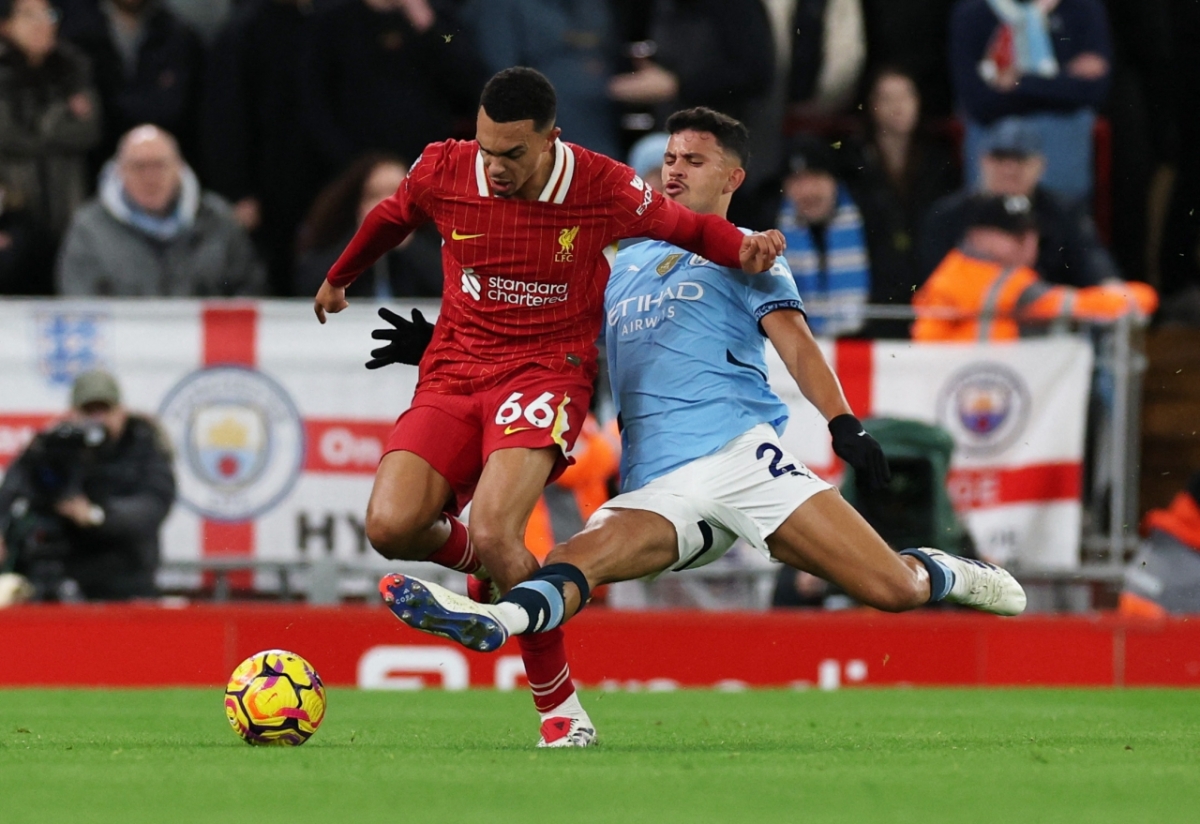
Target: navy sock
(542,595)
(941,579)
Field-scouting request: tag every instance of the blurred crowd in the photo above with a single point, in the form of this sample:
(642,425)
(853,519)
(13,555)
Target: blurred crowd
(231,147)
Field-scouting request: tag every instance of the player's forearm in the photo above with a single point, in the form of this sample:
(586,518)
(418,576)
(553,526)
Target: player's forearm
(709,236)
(383,230)
(789,334)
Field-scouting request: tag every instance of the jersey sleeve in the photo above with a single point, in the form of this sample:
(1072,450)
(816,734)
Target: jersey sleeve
(640,211)
(388,224)
(771,291)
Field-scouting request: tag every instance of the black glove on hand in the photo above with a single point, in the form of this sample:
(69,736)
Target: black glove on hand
(407,341)
(853,445)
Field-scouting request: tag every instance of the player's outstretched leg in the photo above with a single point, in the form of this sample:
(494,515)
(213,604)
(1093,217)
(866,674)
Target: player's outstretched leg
(436,610)
(975,584)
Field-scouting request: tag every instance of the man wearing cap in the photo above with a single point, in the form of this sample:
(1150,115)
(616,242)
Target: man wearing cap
(1069,252)
(100,484)
(826,244)
(985,288)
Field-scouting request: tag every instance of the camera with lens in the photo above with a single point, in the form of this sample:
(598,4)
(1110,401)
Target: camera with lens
(56,463)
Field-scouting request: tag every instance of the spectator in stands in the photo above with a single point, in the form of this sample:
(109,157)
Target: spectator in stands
(49,113)
(255,150)
(987,287)
(413,269)
(1046,61)
(1144,115)
(911,34)
(389,75)
(902,173)
(1180,258)
(826,243)
(715,53)
(1069,252)
(152,231)
(207,16)
(829,51)
(572,42)
(81,507)
(646,158)
(148,67)
(26,249)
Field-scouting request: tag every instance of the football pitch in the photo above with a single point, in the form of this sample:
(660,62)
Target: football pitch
(858,755)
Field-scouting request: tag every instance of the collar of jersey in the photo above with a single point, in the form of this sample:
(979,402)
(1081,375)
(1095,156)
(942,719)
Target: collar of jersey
(555,190)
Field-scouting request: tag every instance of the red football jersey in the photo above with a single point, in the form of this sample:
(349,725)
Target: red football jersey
(524,279)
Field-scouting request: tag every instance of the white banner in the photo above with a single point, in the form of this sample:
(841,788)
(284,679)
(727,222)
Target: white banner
(1017,412)
(277,426)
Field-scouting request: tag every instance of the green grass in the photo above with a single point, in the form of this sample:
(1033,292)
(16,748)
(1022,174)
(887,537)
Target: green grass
(858,756)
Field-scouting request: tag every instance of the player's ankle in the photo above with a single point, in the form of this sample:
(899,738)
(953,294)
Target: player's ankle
(514,617)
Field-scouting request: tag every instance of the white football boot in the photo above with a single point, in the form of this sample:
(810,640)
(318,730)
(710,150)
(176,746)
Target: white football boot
(980,585)
(568,731)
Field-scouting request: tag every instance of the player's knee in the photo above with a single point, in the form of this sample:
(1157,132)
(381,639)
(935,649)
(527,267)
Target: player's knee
(393,533)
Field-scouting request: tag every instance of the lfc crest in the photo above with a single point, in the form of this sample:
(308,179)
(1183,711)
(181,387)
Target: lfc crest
(566,245)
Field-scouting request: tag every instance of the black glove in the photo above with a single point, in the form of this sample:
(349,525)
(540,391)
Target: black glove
(853,445)
(407,341)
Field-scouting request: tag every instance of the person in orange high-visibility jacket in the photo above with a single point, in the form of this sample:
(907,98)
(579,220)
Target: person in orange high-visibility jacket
(983,290)
(567,503)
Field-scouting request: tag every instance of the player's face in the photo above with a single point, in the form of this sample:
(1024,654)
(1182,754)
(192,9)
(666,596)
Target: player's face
(515,155)
(698,173)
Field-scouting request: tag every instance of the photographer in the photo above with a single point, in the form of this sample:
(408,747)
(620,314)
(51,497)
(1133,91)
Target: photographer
(81,507)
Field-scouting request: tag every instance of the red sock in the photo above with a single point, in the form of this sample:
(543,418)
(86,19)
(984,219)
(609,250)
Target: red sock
(545,658)
(457,553)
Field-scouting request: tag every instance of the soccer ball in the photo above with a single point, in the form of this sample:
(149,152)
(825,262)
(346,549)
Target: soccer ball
(275,697)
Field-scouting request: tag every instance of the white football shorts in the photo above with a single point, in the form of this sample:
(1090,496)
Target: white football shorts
(745,489)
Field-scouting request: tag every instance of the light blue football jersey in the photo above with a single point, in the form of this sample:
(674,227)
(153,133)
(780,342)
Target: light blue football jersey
(685,355)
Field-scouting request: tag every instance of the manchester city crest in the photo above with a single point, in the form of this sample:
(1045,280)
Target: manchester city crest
(985,407)
(239,438)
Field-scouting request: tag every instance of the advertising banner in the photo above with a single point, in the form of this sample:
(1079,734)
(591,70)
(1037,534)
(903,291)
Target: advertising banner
(277,427)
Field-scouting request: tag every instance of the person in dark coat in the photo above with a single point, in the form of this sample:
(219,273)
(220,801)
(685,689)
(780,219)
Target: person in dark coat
(107,518)
(148,66)
(49,113)
(715,53)
(1069,250)
(374,77)
(900,173)
(256,154)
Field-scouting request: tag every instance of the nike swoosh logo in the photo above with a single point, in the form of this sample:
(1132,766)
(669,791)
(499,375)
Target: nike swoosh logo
(456,235)
(509,430)
(863,433)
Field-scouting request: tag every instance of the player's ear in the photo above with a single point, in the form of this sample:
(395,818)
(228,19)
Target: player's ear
(737,177)
(553,135)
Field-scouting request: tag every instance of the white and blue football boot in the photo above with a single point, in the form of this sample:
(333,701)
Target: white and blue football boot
(438,611)
(980,585)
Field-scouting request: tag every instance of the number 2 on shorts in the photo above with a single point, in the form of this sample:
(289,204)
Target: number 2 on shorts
(776,456)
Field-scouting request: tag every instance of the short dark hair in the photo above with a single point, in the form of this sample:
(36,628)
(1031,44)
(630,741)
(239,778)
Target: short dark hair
(731,134)
(520,93)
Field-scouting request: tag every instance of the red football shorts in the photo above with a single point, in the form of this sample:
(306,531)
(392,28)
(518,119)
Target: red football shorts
(455,434)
